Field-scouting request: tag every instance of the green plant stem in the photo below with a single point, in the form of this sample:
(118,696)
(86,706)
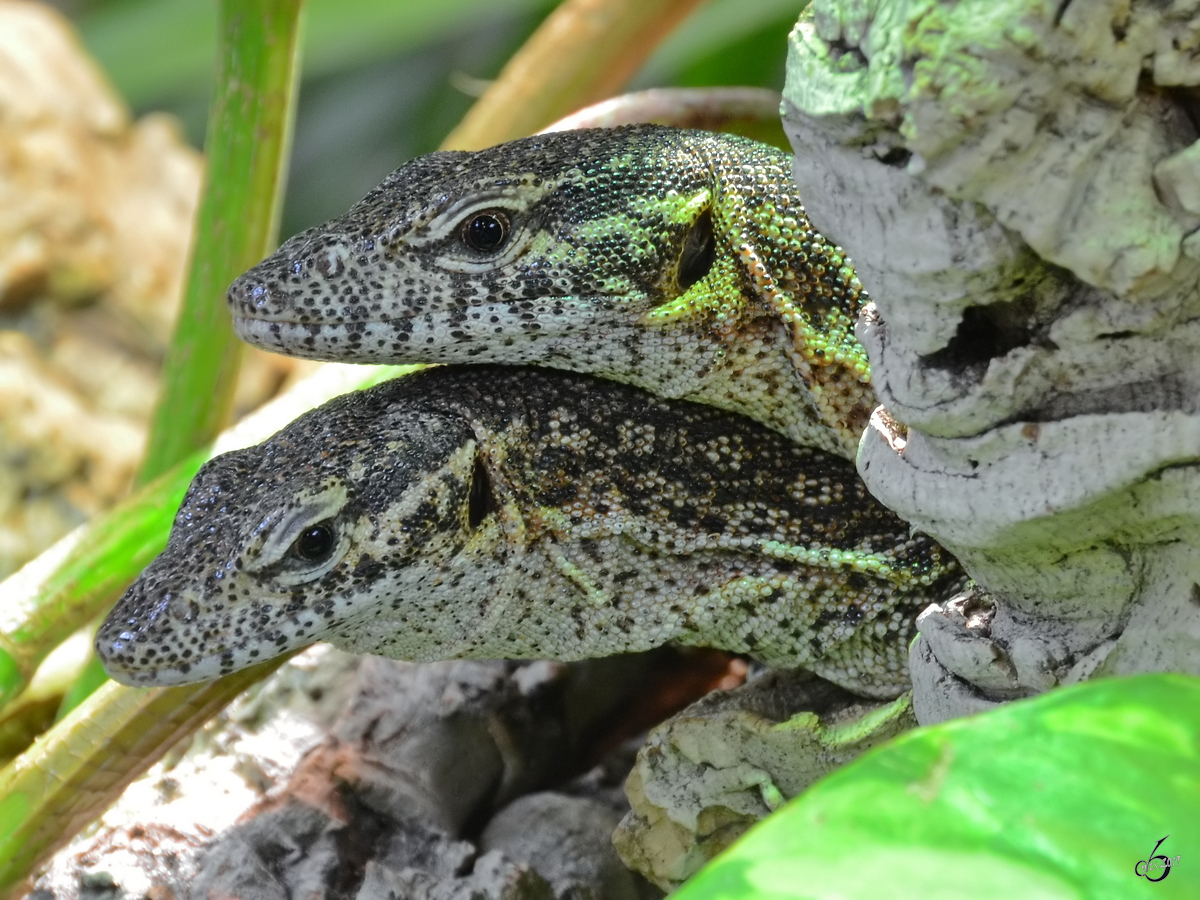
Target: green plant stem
(90,677)
(249,132)
(84,763)
(248,137)
(237,224)
(585,51)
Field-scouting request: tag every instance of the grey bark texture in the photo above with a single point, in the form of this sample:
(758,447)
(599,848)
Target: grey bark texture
(706,775)
(398,781)
(1018,184)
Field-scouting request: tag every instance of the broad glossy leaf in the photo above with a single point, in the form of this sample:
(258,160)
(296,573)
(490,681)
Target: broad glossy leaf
(1058,796)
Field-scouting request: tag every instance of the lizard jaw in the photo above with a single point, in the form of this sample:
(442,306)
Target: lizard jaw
(145,642)
(202,670)
(119,655)
(508,332)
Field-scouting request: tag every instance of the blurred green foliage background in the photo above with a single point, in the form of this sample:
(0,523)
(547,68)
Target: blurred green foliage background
(385,80)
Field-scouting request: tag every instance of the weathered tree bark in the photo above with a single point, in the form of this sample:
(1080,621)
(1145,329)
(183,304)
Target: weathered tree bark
(377,778)
(1018,184)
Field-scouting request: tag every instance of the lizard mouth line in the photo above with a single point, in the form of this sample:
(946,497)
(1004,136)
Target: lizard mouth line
(164,672)
(486,333)
(227,653)
(376,337)
(453,309)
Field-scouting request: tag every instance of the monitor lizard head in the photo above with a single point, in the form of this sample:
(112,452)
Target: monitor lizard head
(276,545)
(500,512)
(681,262)
(457,254)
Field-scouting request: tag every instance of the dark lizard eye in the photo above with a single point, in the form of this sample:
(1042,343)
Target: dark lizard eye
(485,231)
(315,543)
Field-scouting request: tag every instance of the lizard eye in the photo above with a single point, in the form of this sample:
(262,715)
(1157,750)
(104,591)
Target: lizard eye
(315,543)
(486,231)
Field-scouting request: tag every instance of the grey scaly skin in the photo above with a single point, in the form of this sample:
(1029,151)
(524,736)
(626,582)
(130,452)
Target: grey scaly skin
(512,512)
(677,261)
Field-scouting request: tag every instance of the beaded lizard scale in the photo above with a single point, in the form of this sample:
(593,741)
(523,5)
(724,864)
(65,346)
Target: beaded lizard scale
(511,512)
(678,261)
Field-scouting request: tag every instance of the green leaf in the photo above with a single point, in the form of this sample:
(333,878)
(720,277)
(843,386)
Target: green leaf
(1059,796)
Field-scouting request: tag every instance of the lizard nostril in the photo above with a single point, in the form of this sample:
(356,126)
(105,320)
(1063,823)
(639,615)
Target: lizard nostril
(331,264)
(259,296)
(185,610)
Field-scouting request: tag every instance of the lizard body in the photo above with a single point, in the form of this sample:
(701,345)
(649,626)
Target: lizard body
(513,512)
(678,261)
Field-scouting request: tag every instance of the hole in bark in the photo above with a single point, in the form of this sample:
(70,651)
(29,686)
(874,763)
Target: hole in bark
(356,844)
(895,156)
(984,333)
(847,56)
(1188,100)
(1120,28)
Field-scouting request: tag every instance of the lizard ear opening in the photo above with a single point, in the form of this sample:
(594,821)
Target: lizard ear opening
(699,251)
(481,501)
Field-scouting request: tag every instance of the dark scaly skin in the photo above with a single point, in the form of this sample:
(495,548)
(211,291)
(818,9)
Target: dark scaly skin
(678,261)
(511,512)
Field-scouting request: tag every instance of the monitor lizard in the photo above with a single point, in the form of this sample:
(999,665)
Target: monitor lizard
(521,512)
(678,261)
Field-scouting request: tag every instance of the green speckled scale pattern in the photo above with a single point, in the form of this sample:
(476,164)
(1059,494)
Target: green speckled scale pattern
(678,261)
(513,512)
